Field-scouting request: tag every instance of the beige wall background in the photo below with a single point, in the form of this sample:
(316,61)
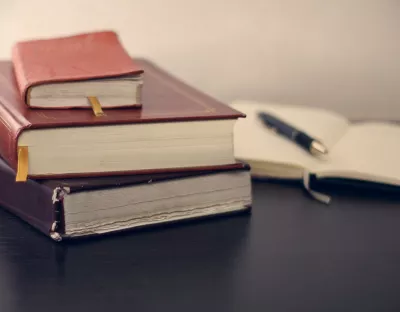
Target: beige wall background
(342,55)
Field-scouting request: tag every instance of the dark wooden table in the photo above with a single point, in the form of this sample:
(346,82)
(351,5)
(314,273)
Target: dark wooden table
(291,254)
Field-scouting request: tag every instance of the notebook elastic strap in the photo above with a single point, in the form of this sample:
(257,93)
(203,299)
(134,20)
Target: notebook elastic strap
(316,195)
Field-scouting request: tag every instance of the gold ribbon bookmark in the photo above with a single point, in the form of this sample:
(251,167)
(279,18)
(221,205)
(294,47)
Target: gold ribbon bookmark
(22,168)
(96,106)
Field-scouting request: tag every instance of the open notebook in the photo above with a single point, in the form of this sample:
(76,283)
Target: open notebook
(366,151)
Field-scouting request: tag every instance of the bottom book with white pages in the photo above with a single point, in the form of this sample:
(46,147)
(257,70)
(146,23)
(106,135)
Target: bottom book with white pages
(72,208)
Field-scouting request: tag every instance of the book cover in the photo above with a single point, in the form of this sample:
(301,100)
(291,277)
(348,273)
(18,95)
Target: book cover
(40,203)
(165,98)
(88,56)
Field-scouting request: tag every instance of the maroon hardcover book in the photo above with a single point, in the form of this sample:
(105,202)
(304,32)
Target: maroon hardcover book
(73,208)
(188,117)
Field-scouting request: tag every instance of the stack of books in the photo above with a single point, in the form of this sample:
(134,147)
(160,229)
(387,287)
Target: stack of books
(95,142)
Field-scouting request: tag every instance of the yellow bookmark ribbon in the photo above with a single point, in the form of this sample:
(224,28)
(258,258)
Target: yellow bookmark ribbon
(96,106)
(22,168)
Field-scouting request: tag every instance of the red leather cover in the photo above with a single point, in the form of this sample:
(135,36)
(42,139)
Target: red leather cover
(165,99)
(74,58)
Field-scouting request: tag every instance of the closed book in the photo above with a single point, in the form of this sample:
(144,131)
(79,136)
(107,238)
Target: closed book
(63,72)
(178,128)
(72,208)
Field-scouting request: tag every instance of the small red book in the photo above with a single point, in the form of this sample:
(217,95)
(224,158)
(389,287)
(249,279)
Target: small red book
(63,72)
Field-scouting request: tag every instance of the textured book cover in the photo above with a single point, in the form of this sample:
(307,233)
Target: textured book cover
(41,203)
(165,99)
(88,56)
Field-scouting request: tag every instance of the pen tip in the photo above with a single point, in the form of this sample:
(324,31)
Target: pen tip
(318,148)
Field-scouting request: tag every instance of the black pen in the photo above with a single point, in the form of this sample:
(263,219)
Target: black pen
(312,145)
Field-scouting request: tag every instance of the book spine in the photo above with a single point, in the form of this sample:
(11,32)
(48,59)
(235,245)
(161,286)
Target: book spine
(8,136)
(30,201)
(19,72)
(12,122)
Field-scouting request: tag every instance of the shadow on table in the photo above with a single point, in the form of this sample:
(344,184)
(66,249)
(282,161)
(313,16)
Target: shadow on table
(345,188)
(127,270)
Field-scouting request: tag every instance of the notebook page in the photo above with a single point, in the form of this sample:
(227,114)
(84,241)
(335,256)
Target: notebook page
(254,142)
(368,151)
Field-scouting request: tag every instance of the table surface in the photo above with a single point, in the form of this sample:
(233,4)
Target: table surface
(291,254)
